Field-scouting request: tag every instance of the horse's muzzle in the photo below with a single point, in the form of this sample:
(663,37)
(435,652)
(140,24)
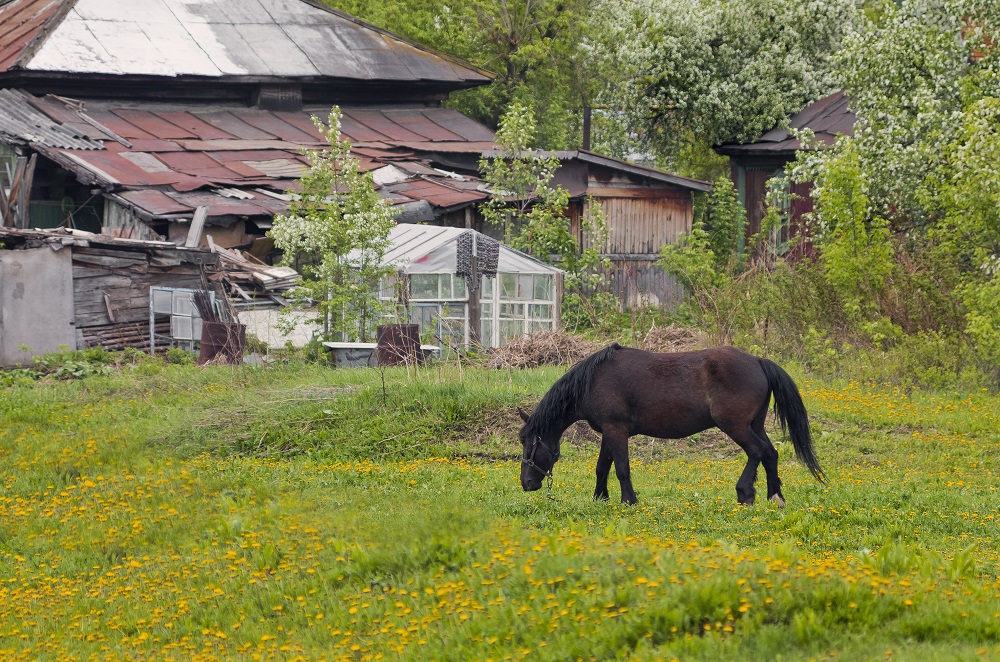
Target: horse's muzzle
(530,484)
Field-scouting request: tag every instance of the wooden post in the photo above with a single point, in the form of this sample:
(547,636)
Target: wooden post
(476,282)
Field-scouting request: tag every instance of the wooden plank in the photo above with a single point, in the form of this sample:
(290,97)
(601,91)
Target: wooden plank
(115,262)
(197,225)
(634,192)
(83,285)
(25,193)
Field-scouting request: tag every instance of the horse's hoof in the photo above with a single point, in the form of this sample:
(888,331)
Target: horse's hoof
(777,498)
(746,503)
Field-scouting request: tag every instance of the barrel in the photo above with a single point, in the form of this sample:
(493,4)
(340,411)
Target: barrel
(397,343)
(222,342)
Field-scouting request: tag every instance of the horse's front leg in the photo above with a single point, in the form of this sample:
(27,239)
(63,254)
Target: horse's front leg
(603,469)
(617,442)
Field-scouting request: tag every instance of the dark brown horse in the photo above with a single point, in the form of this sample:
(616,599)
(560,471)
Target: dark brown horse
(622,392)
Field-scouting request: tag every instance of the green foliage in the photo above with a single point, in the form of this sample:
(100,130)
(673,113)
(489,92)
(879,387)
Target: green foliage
(982,301)
(855,245)
(905,218)
(523,204)
(726,219)
(76,364)
(335,233)
(179,356)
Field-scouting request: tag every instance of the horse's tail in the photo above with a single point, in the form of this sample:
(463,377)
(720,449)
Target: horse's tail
(792,415)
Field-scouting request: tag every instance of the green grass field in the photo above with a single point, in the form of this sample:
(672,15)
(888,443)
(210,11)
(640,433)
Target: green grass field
(298,512)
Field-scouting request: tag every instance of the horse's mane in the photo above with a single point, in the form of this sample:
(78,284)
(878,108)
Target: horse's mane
(567,391)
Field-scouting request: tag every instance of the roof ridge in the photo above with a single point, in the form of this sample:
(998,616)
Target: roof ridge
(50,24)
(453,59)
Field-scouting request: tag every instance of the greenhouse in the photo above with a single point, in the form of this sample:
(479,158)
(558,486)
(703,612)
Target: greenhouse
(435,266)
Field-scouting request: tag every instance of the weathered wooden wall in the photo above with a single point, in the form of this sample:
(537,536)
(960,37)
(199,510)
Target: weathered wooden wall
(637,282)
(641,220)
(111,290)
(639,226)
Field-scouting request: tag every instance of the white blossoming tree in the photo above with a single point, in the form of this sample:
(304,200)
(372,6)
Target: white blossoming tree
(697,73)
(336,234)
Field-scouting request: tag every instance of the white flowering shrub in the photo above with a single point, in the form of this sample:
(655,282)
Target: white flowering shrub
(336,233)
(907,210)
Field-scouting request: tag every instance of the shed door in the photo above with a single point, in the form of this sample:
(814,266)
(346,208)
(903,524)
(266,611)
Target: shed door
(36,303)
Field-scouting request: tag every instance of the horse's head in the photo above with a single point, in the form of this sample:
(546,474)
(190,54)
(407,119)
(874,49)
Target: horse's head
(538,457)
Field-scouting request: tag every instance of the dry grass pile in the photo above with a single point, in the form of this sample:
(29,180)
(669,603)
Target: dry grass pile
(542,349)
(672,339)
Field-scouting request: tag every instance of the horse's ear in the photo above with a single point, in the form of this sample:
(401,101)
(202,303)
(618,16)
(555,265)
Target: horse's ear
(524,417)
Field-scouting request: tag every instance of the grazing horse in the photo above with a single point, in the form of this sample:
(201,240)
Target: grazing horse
(622,392)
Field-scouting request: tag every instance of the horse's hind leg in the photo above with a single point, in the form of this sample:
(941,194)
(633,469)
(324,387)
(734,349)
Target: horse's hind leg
(604,461)
(747,440)
(769,458)
(745,491)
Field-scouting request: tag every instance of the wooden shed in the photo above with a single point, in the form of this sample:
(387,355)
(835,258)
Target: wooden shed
(752,165)
(73,289)
(644,208)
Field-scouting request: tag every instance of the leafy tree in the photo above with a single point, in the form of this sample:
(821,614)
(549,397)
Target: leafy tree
(336,234)
(905,209)
(532,214)
(726,219)
(519,176)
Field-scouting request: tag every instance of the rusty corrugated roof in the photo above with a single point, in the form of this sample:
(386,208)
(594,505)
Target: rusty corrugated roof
(827,118)
(21,122)
(20,22)
(164,160)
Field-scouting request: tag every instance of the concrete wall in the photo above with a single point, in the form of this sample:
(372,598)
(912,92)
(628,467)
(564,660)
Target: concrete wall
(36,303)
(264,324)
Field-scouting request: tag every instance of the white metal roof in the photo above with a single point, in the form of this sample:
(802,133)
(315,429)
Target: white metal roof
(261,38)
(431,249)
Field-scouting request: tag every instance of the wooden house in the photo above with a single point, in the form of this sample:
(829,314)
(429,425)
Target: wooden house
(752,165)
(140,111)
(122,117)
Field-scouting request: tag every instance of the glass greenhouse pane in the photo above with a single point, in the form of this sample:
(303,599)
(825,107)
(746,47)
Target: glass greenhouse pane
(539,326)
(424,286)
(524,287)
(508,286)
(387,288)
(511,311)
(510,330)
(485,333)
(486,291)
(543,288)
(540,311)
(460,293)
(445,287)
